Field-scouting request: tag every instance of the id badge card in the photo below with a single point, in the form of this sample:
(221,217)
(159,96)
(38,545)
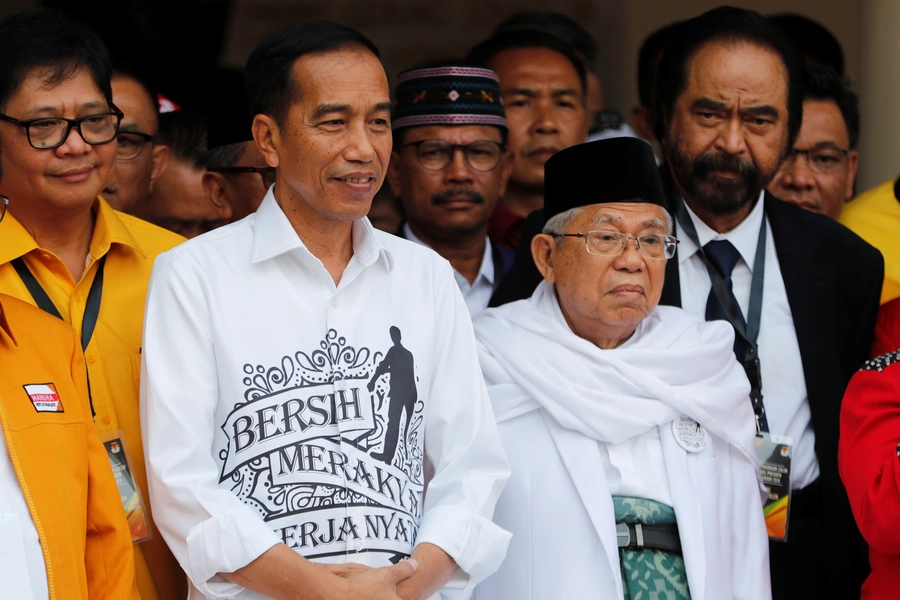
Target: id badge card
(774,453)
(128,490)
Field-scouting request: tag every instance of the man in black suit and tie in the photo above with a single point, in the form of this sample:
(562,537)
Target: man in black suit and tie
(801,290)
(805,288)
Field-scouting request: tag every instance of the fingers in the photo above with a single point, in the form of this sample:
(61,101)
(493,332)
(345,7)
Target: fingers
(402,570)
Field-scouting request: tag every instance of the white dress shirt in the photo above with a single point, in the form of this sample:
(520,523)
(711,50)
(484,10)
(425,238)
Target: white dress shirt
(12,500)
(268,398)
(783,385)
(478,294)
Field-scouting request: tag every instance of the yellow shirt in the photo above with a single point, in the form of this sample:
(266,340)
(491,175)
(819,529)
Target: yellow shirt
(113,355)
(59,461)
(875,217)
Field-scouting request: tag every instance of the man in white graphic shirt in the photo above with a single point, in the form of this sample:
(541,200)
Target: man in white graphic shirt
(273,441)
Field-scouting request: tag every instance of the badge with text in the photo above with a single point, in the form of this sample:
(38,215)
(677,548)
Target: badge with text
(44,397)
(774,453)
(128,490)
(689,434)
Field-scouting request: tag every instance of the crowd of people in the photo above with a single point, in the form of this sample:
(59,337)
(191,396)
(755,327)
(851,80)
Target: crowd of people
(474,336)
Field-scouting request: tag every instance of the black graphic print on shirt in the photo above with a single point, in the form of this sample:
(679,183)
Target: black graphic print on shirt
(328,448)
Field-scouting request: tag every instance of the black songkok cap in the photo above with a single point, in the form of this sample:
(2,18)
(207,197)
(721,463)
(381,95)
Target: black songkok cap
(619,169)
(448,96)
(226,106)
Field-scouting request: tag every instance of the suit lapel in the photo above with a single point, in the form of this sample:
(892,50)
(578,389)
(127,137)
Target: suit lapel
(810,286)
(671,292)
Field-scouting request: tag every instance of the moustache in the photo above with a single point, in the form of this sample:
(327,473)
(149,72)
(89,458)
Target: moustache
(66,168)
(707,163)
(453,194)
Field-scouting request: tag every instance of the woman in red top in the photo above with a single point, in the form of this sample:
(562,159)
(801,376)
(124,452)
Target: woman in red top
(869,454)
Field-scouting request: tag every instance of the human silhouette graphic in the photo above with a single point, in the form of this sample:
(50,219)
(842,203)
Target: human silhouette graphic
(398,362)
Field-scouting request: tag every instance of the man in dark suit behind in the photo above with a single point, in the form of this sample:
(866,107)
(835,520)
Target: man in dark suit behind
(730,108)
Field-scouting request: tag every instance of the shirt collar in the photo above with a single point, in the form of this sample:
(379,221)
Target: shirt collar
(108,229)
(4,325)
(273,235)
(487,261)
(744,237)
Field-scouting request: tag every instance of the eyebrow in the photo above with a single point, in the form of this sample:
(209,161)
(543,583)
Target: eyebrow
(825,145)
(764,110)
(520,92)
(564,92)
(329,109)
(708,104)
(651,223)
(54,109)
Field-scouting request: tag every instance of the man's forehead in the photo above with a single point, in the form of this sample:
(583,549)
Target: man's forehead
(533,66)
(320,75)
(41,92)
(720,70)
(823,124)
(625,213)
(454,133)
(132,99)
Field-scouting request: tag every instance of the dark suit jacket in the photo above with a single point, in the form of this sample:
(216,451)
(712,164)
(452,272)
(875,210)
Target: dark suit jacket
(833,281)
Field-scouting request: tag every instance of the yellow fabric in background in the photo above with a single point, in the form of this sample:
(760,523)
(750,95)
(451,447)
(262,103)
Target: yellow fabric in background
(113,355)
(875,217)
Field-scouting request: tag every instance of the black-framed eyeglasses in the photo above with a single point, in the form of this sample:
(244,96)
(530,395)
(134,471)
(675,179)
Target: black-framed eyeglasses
(4,203)
(49,133)
(481,156)
(820,160)
(131,144)
(266,172)
(654,246)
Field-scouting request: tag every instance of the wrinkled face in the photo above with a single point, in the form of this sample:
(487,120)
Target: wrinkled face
(607,296)
(457,200)
(65,178)
(333,149)
(179,203)
(131,182)
(245,191)
(824,182)
(728,130)
(544,103)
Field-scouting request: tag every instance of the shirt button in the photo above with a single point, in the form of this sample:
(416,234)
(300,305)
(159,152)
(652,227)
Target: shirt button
(92,359)
(105,420)
(334,303)
(358,545)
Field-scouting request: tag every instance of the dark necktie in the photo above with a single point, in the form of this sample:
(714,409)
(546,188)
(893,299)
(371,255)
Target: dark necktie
(724,257)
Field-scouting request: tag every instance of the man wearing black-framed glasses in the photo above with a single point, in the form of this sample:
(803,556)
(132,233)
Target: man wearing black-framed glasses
(68,252)
(237,176)
(449,167)
(140,158)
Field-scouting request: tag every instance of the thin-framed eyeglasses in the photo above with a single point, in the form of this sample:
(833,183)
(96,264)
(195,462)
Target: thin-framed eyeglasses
(131,144)
(4,203)
(266,172)
(49,133)
(654,246)
(481,156)
(820,160)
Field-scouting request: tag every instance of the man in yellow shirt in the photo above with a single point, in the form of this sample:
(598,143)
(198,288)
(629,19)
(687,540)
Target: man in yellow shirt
(65,249)
(875,217)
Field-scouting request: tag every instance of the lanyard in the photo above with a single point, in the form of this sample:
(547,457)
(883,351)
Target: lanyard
(91,307)
(750,333)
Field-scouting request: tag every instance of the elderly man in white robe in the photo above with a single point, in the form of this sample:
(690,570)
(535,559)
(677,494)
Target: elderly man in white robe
(628,425)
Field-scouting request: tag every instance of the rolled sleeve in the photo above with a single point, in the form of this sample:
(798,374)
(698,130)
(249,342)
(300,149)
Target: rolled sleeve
(208,529)
(463,444)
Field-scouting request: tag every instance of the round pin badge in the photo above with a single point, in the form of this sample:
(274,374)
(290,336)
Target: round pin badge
(689,434)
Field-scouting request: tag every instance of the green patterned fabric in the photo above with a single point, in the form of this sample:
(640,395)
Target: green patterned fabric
(650,574)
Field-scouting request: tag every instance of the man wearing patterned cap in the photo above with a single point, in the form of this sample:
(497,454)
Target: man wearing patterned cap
(627,425)
(449,167)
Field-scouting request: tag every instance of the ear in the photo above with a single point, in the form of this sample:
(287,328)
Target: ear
(214,187)
(640,120)
(160,160)
(506,168)
(268,138)
(543,248)
(393,175)
(853,157)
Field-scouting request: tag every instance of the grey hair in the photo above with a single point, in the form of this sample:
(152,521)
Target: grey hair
(558,224)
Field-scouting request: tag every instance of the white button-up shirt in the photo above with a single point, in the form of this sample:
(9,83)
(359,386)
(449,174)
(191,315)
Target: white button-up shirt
(784,388)
(477,295)
(278,407)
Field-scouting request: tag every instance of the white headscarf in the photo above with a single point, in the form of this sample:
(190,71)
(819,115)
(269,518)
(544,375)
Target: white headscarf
(675,364)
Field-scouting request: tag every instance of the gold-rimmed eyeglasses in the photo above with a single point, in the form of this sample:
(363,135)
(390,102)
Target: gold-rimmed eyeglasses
(654,246)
